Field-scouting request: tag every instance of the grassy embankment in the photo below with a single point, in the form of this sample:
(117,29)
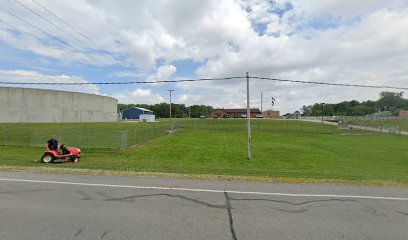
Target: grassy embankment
(281,149)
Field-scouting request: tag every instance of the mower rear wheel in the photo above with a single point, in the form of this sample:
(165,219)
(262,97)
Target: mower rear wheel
(47,158)
(75,159)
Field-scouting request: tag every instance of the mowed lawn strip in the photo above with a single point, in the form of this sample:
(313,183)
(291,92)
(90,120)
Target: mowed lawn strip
(280,149)
(402,123)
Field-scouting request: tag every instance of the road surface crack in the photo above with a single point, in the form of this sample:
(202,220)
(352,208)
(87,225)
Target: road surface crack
(79,232)
(231,220)
(134,197)
(292,203)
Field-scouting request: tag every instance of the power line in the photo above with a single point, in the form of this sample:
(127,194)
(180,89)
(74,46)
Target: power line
(330,84)
(122,83)
(98,49)
(207,79)
(19,30)
(53,24)
(67,24)
(52,36)
(140,82)
(27,33)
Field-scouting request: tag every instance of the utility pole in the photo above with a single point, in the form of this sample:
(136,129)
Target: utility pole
(261,101)
(322,111)
(189,112)
(170,91)
(249,119)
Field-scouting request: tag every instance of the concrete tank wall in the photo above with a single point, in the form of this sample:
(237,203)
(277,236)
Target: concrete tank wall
(38,105)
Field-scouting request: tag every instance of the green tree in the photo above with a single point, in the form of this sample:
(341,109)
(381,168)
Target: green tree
(390,101)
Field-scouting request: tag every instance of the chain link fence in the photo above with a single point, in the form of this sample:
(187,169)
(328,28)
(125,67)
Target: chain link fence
(276,126)
(303,126)
(351,118)
(123,139)
(86,138)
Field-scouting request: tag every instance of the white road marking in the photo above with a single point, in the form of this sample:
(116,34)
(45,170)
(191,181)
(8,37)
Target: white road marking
(206,190)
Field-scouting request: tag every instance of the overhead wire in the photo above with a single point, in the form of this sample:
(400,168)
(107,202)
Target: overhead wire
(138,82)
(211,79)
(124,83)
(330,84)
(92,45)
(69,25)
(56,26)
(50,35)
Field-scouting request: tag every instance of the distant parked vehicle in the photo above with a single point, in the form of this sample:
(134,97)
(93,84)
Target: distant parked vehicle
(203,117)
(243,115)
(227,115)
(259,116)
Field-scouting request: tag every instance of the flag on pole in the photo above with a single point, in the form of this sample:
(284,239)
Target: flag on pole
(273,101)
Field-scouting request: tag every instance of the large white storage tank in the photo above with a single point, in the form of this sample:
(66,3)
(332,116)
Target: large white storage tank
(39,105)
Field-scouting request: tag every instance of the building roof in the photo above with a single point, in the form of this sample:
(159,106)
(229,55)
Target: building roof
(142,109)
(241,110)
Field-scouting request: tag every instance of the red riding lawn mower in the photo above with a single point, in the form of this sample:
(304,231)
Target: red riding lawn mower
(67,154)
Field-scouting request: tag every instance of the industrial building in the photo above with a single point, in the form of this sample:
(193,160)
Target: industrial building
(271,114)
(138,113)
(234,112)
(52,106)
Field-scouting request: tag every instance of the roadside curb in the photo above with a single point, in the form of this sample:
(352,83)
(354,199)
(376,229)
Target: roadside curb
(199,177)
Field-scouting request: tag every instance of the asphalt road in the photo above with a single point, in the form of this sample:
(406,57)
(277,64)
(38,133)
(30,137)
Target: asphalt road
(45,206)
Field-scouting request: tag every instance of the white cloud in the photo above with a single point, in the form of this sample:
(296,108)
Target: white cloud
(365,53)
(346,8)
(346,41)
(130,74)
(182,98)
(189,99)
(36,77)
(163,73)
(138,96)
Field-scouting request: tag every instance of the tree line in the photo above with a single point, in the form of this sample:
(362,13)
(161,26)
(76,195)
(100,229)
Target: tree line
(162,110)
(388,101)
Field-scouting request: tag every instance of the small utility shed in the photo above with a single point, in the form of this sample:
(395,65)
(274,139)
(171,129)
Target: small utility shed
(137,113)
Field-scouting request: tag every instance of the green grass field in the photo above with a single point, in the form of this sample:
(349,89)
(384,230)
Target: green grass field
(402,123)
(285,149)
(84,135)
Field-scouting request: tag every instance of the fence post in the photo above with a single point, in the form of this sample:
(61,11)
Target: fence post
(123,138)
(5,137)
(89,139)
(31,137)
(59,134)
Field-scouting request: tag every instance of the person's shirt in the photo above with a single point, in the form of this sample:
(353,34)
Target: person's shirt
(52,144)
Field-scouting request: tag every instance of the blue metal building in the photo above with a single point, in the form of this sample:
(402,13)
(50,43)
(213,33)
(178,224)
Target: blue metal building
(135,112)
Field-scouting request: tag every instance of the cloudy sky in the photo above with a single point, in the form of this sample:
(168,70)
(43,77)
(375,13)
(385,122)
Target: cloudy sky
(343,41)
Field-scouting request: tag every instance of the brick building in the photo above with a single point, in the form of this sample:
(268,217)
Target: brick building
(271,114)
(233,112)
(403,113)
